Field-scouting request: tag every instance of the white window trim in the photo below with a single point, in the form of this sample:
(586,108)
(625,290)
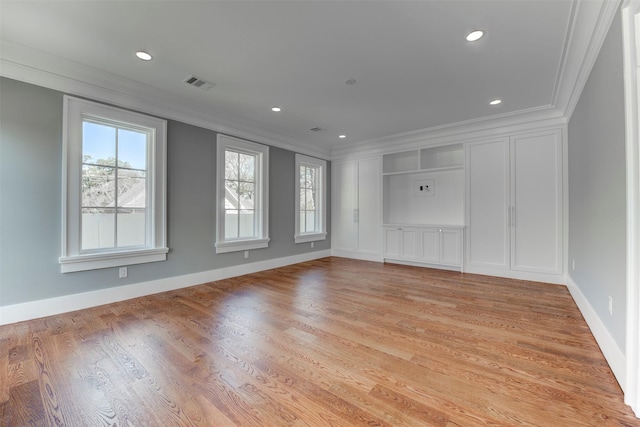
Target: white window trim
(72,258)
(322,199)
(262,195)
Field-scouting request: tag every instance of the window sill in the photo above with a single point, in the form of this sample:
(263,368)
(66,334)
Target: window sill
(241,245)
(305,238)
(113,259)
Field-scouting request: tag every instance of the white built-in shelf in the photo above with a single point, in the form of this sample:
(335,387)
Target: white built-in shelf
(401,162)
(432,159)
(396,224)
(443,169)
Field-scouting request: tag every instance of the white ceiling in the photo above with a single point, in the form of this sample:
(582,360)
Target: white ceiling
(413,68)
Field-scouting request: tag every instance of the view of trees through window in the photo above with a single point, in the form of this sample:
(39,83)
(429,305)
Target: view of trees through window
(240,194)
(308,205)
(114,186)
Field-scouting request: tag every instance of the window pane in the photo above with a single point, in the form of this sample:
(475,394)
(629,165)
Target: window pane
(132,189)
(247,167)
(231,195)
(303,199)
(311,221)
(302,222)
(132,149)
(231,161)
(246,194)
(98,227)
(303,177)
(98,144)
(231,224)
(247,221)
(311,178)
(98,186)
(131,227)
(310,204)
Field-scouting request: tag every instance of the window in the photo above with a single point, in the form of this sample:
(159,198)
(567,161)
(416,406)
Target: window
(310,199)
(114,187)
(242,189)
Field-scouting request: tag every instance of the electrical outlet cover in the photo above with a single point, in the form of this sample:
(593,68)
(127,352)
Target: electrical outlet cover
(424,187)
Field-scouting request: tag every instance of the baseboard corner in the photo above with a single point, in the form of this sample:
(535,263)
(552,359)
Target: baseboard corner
(612,353)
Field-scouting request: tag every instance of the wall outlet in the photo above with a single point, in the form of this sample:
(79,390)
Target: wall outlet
(246,254)
(573,264)
(122,272)
(424,187)
(610,305)
(312,245)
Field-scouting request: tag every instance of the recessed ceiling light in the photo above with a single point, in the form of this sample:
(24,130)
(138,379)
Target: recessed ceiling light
(276,109)
(495,102)
(475,35)
(342,136)
(144,55)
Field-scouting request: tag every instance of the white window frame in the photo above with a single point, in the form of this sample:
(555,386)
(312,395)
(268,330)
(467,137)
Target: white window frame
(73,258)
(321,202)
(261,204)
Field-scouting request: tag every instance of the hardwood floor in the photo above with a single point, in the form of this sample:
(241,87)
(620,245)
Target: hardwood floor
(332,342)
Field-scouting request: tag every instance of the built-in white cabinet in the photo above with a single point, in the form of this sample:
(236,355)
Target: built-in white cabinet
(445,157)
(356,208)
(441,246)
(432,245)
(401,243)
(451,248)
(488,204)
(424,186)
(514,204)
(492,206)
(420,188)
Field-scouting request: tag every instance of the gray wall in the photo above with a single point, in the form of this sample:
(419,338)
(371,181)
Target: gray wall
(597,188)
(30,203)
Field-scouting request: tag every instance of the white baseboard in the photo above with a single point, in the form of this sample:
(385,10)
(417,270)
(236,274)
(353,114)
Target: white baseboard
(422,264)
(356,255)
(558,279)
(615,357)
(52,306)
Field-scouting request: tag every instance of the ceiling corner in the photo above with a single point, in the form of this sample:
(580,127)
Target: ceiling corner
(588,28)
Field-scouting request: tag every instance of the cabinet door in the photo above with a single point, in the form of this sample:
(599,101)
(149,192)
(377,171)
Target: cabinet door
(409,244)
(536,197)
(430,245)
(451,247)
(368,214)
(392,242)
(487,209)
(344,235)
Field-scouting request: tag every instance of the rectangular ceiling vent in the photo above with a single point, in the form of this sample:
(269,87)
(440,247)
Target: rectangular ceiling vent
(199,83)
(316,129)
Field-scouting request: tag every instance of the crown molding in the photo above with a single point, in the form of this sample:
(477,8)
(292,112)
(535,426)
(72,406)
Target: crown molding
(504,124)
(28,65)
(590,25)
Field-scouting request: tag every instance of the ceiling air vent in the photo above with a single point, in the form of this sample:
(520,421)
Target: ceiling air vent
(316,129)
(199,83)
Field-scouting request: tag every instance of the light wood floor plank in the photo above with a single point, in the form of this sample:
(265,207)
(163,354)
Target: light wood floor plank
(331,342)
